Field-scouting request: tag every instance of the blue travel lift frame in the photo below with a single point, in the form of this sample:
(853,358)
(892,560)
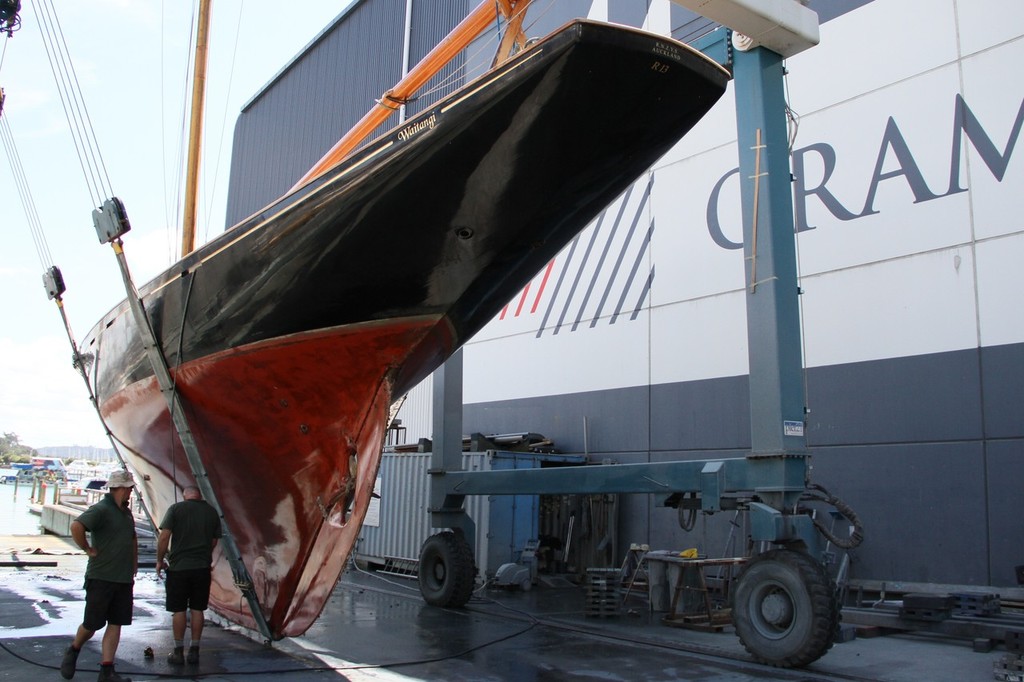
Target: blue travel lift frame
(785,612)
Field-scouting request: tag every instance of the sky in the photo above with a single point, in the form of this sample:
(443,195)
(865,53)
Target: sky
(130,59)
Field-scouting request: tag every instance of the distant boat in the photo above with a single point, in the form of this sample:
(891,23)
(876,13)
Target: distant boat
(289,335)
(80,471)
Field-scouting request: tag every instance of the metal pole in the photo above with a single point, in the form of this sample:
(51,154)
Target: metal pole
(446,450)
(777,401)
(188,443)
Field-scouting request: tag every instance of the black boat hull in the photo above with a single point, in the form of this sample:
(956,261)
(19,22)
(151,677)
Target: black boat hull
(290,334)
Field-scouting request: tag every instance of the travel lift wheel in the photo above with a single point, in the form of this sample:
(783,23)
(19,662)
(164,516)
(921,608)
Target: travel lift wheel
(785,609)
(447,571)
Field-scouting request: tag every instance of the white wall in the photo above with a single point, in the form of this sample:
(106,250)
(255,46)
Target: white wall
(924,273)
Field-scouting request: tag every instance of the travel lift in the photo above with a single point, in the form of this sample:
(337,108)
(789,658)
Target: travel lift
(785,607)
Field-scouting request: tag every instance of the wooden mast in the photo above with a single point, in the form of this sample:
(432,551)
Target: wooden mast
(456,41)
(188,230)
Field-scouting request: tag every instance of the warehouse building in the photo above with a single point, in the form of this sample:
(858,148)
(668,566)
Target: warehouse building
(631,346)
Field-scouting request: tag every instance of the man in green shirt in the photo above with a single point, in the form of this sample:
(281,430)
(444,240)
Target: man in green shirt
(191,529)
(109,575)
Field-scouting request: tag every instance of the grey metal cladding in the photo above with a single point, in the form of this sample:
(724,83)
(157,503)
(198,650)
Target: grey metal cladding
(939,397)
(431,22)
(288,126)
(1002,386)
(917,399)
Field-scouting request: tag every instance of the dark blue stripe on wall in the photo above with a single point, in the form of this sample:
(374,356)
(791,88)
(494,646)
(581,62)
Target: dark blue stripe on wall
(599,268)
(622,252)
(643,295)
(558,287)
(640,255)
(576,268)
(579,272)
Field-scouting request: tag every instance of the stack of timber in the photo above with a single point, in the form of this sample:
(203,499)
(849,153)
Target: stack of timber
(979,613)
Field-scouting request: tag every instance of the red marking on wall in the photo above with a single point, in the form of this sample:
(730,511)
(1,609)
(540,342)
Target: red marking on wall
(522,298)
(526,292)
(543,283)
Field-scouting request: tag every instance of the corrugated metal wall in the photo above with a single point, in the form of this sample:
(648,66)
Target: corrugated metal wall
(404,521)
(291,123)
(431,22)
(503,522)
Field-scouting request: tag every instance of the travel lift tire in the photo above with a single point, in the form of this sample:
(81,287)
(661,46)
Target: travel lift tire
(447,571)
(785,609)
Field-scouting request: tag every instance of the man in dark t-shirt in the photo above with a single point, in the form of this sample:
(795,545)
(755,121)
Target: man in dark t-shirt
(113,552)
(190,529)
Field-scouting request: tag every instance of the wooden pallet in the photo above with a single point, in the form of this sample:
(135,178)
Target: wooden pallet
(974,604)
(604,593)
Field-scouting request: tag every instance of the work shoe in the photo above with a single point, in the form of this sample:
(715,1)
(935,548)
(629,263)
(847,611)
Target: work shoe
(107,674)
(67,665)
(177,657)
(193,655)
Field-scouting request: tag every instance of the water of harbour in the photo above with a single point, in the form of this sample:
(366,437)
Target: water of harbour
(15,515)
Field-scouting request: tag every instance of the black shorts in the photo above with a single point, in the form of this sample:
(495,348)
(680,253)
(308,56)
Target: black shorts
(107,602)
(188,590)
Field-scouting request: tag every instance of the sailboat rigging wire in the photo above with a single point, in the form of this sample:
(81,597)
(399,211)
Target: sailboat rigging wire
(223,124)
(177,200)
(537,16)
(451,81)
(79,362)
(89,157)
(3,53)
(171,197)
(793,119)
(25,194)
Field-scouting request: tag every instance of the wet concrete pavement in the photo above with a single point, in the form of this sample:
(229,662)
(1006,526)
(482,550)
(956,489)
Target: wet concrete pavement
(377,627)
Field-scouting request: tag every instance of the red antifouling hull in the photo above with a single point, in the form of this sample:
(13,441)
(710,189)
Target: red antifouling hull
(298,426)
